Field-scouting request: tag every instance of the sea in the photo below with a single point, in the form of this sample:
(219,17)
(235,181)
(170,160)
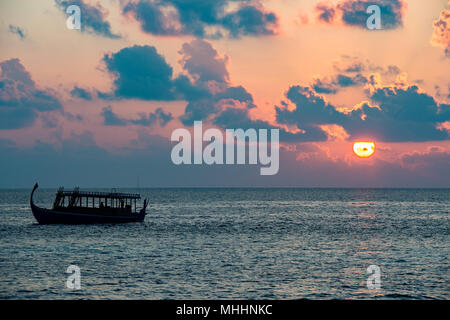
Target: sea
(232,243)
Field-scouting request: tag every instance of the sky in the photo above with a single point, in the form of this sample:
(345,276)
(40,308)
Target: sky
(96,107)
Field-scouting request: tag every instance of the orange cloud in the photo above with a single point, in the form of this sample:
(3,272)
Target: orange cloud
(441,32)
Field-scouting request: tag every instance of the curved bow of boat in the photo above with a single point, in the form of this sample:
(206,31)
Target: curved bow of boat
(32,193)
(37,212)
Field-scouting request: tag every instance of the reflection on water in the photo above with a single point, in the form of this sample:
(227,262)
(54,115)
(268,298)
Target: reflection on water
(236,243)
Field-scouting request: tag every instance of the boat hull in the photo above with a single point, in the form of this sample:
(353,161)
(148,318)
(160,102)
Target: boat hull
(47,216)
(50,216)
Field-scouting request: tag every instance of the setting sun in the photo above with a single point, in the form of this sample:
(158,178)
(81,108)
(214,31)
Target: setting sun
(364,149)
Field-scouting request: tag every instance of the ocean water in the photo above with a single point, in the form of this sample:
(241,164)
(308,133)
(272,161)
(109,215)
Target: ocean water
(236,244)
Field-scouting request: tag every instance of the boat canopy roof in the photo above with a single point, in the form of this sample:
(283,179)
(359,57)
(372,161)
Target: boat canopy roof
(96,194)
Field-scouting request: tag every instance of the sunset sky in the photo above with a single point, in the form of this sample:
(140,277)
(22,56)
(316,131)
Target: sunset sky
(96,107)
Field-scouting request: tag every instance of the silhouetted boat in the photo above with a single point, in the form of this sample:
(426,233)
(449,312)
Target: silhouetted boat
(84,207)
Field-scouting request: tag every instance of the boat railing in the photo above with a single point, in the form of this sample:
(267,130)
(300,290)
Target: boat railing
(99,194)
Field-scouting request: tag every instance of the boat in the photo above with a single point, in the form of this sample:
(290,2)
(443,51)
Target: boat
(86,207)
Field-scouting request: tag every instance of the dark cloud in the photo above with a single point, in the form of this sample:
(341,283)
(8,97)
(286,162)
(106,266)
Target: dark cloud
(325,12)
(159,116)
(153,17)
(324,86)
(441,32)
(353,12)
(93,17)
(250,19)
(394,113)
(50,120)
(238,93)
(81,93)
(348,81)
(71,116)
(398,114)
(16,118)
(240,118)
(332,86)
(18,31)
(110,118)
(195,17)
(311,109)
(350,64)
(351,72)
(20,99)
(393,70)
(198,110)
(189,90)
(141,73)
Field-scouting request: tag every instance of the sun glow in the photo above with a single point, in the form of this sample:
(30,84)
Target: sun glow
(364,149)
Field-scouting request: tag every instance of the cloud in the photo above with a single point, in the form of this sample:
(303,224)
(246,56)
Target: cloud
(81,93)
(141,73)
(250,19)
(153,17)
(350,71)
(202,18)
(91,165)
(20,99)
(230,117)
(310,112)
(325,12)
(398,114)
(319,167)
(353,12)
(203,62)
(159,116)
(331,86)
(349,64)
(441,32)
(436,157)
(110,118)
(433,163)
(18,31)
(148,157)
(224,105)
(208,71)
(93,17)
(324,85)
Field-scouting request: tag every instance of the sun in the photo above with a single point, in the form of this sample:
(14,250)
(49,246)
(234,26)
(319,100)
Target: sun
(364,149)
